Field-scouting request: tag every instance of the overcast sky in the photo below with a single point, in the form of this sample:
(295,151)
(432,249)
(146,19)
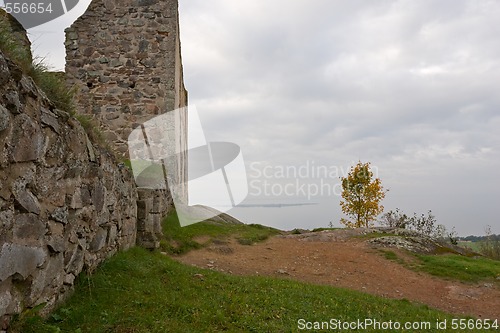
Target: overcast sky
(410,86)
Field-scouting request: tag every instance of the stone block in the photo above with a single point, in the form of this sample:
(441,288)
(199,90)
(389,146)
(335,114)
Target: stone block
(26,201)
(12,101)
(144,208)
(76,200)
(28,229)
(147,240)
(85,195)
(103,218)
(69,279)
(60,215)
(6,218)
(99,240)
(5,299)
(90,149)
(144,193)
(157,204)
(4,118)
(74,260)
(27,139)
(45,280)
(20,259)
(56,242)
(157,229)
(112,235)
(49,119)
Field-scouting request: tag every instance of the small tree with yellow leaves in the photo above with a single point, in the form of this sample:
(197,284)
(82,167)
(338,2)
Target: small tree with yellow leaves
(361,195)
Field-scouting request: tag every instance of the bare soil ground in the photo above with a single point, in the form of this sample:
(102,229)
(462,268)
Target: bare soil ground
(338,259)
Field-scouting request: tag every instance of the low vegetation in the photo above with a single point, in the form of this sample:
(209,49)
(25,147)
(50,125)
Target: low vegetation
(11,47)
(488,245)
(139,291)
(179,240)
(52,84)
(451,266)
(461,268)
(423,224)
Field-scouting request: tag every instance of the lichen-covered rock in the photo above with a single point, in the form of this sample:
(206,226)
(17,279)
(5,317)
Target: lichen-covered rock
(416,242)
(413,244)
(4,118)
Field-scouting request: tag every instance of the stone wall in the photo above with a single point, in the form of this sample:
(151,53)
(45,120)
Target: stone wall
(151,209)
(124,58)
(65,204)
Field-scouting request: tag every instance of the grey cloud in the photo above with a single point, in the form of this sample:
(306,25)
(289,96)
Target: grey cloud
(409,85)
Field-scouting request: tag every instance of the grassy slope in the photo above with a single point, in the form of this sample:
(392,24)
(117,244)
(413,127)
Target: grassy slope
(140,291)
(474,246)
(451,266)
(461,268)
(178,240)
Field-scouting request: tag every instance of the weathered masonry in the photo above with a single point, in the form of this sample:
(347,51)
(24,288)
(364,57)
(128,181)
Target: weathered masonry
(67,204)
(124,58)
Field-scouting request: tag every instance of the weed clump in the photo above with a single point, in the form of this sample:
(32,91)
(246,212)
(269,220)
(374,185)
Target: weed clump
(51,83)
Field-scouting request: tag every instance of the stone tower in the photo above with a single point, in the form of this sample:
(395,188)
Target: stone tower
(124,58)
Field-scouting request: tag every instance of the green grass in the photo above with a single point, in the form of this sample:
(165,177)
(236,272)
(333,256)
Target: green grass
(488,247)
(52,84)
(474,246)
(139,291)
(93,131)
(11,47)
(452,266)
(390,255)
(325,229)
(179,240)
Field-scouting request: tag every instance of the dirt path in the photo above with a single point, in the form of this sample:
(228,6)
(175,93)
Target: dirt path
(349,263)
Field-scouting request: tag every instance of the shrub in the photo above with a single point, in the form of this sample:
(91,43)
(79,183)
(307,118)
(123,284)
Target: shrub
(395,219)
(53,84)
(491,246)
(426,225)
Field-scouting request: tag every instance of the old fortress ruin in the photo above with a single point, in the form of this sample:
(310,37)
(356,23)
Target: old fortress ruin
(67,203)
